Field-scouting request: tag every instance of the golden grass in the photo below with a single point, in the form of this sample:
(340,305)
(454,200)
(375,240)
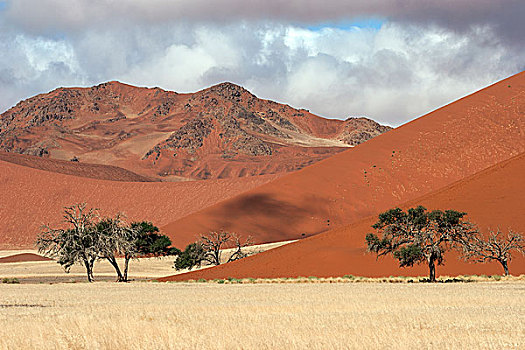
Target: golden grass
(262,316)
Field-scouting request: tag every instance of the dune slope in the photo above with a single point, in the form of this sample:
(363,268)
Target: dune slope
(492,198)
(31,197)
(442,147)
(93,171)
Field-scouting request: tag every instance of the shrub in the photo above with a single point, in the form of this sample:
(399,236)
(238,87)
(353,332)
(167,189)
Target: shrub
(10,280)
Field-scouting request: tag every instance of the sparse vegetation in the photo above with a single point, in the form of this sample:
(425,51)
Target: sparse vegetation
(215,242)
(210,249)
(90,238)
(12,280)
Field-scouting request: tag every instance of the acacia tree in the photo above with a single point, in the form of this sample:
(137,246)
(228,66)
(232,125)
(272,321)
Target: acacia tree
(80,243)
(214,242)
(496,246)
(418,236)
(117,239)
(130,242)
(151,242)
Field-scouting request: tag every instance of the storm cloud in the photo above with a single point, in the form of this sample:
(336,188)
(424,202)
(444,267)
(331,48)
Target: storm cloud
(321,55)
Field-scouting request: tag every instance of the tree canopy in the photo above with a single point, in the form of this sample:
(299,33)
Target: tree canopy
(418,236)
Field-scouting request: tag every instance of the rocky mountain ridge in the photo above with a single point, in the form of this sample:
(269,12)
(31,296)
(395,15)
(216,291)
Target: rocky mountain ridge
(219,132)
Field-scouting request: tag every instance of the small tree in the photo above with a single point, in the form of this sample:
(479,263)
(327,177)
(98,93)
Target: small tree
(79,243)
(192,256)
(215,242)
(130,242)
(418,236)
(496,246)
(150,242)
(117,239)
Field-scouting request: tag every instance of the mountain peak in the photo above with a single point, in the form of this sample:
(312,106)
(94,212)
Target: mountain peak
(228,90)
(220,132)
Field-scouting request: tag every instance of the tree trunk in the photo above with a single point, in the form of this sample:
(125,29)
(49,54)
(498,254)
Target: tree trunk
(126,265)
(114,263)
(91,263)
(89,271)
(505,266)
(217,257)
(432,269)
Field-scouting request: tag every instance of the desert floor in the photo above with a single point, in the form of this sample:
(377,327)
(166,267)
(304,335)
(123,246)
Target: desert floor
(152,315)
(140,269)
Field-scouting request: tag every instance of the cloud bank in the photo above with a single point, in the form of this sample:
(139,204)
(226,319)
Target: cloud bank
(306,53)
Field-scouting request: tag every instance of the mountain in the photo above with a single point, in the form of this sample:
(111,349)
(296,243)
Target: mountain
(493,199)
(433,151)
(220,132)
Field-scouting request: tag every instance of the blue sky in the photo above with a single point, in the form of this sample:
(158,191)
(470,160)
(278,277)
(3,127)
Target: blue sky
(370,23)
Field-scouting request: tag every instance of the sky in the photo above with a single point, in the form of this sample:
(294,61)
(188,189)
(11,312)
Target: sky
(390,60)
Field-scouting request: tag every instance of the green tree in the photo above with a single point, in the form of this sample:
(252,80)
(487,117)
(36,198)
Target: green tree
(79,243)
(418,236)
(192,256)
(151,242)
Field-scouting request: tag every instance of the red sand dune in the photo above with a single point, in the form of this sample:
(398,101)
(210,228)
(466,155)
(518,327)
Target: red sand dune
(24,257)
(442,147)
(93,171)
(32,197)
(492,198)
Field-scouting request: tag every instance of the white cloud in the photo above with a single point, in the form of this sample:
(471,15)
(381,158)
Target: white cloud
(392,74)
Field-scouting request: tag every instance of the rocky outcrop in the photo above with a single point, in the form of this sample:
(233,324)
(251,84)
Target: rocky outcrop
(359,130)
(222,131)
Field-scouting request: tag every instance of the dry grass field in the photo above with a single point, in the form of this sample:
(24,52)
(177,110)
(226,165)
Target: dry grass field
(146,315)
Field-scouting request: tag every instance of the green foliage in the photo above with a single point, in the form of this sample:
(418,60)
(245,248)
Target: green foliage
(192,256)
(409,255)
(149,241)
(7,280)
(417,236)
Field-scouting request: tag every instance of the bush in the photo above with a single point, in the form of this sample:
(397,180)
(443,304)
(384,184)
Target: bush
(191,256)
(10,280)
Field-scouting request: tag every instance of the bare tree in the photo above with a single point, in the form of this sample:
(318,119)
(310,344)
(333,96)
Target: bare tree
(496,246)
(77,244)
(215,242)
(117,239)
(239,253)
